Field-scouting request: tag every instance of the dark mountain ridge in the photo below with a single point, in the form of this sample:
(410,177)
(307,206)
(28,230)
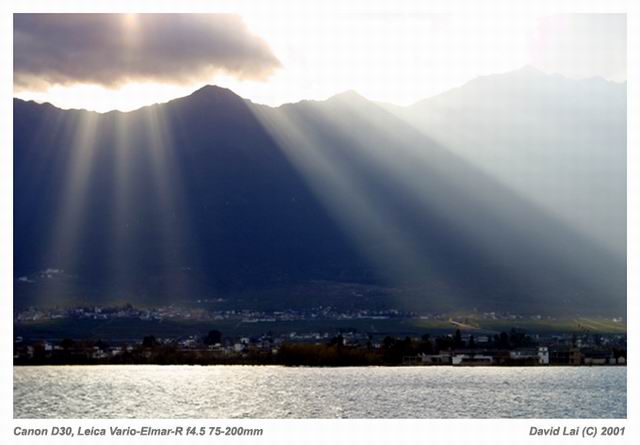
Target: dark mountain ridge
(211,196)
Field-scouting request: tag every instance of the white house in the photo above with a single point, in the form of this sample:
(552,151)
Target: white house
(540,354)
(471,359)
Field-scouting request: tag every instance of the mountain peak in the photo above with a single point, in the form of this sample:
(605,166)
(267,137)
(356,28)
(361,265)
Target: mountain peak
(214,91)
(348,95)
(529,70)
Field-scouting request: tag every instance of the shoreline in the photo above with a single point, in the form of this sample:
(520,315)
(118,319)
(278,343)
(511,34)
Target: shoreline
(558,365)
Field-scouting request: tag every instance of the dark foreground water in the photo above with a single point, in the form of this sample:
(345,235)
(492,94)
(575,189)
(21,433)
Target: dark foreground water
(278,392)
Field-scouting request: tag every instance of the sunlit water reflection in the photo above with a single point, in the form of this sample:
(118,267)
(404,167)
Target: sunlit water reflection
(278,392)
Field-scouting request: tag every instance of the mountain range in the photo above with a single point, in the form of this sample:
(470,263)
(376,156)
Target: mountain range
(505,194)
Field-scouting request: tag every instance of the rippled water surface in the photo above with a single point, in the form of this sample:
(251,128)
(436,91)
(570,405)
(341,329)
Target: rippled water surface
(277,392)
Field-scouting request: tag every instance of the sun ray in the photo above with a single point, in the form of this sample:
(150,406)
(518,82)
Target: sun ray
(372,228)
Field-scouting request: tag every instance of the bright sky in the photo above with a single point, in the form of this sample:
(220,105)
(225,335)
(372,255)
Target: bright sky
(391,58)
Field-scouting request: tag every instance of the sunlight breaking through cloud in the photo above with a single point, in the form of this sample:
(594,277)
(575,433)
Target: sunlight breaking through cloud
(115,49)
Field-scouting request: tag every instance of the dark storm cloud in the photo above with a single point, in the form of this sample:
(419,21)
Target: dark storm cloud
(111,49)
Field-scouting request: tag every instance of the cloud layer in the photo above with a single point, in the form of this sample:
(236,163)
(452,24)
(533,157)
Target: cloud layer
(113,49)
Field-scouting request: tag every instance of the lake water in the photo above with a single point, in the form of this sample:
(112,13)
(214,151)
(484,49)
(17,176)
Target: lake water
(278,392)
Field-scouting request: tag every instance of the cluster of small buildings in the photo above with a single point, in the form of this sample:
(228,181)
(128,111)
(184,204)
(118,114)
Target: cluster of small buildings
(82,350)
(203,311)
(541,355)
(481,347)
(555,354)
